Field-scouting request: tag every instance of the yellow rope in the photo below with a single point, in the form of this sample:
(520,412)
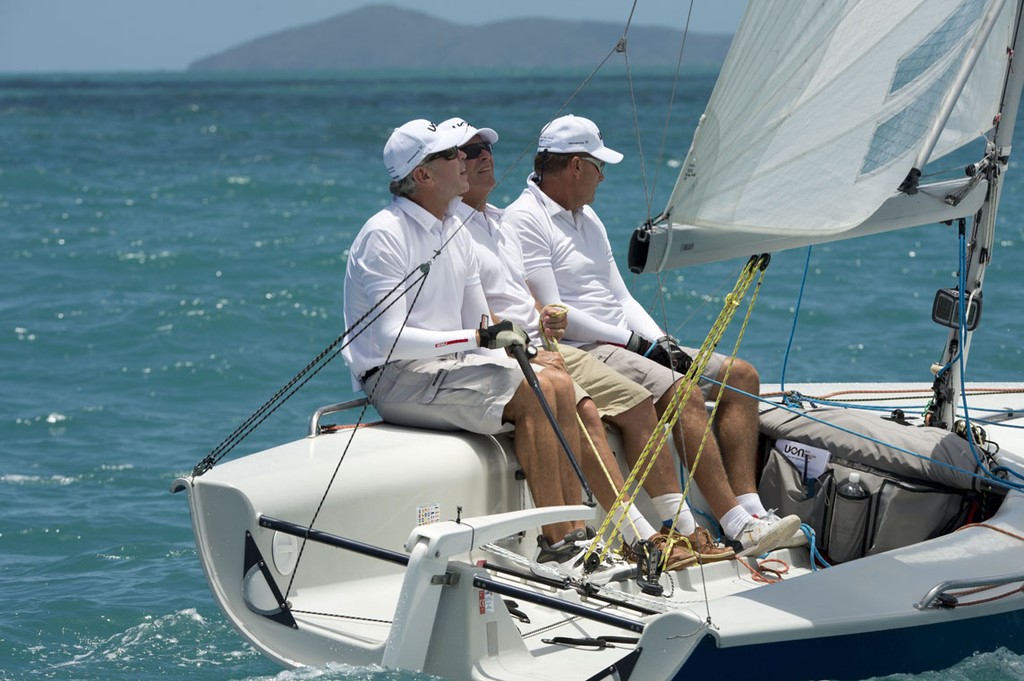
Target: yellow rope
(551,344)
(721,392)
(604,469)
(640,471)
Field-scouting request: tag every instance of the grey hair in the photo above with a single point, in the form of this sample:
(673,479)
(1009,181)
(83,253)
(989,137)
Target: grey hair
(405,187)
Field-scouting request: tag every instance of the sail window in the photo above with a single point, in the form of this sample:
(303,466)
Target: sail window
(907,128)
(939,43)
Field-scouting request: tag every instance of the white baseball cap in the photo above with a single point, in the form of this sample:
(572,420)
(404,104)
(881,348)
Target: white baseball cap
(487,134)
(414,141)
(575,135)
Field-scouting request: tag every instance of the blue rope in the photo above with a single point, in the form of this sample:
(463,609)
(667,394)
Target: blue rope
(968,432)
(796,315)
(816,557)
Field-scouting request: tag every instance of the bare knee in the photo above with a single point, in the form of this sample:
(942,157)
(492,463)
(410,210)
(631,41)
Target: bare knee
(670,394)
(588,414)
(744,376)
(641,418)
(555,383)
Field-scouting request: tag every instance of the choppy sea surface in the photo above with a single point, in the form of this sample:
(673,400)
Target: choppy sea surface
(173,253)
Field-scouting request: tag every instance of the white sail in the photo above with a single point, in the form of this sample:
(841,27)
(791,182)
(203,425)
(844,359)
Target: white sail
(822,108)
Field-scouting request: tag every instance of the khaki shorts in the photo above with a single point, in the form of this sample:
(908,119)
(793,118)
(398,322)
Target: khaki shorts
(656,378)
(446,393)
(613,393)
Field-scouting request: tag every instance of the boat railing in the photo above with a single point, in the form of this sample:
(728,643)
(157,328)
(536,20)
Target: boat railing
(479,581)
(939,597)
(314,420)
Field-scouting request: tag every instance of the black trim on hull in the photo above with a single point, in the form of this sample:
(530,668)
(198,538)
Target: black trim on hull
(909,650)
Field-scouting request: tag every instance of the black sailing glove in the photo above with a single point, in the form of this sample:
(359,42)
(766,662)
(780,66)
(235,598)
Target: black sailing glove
(502,335)
(681,361)
(642,345)
(665,351)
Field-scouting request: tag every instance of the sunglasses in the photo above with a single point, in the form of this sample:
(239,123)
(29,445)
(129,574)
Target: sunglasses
(447,155)
(595,162)
(474,150)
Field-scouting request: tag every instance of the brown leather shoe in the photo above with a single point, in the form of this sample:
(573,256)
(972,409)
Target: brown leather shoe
(701,544)
(675,555)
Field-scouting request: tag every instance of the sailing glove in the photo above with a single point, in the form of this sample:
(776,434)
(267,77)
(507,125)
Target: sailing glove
(665,351)
(681,361)
(502,335)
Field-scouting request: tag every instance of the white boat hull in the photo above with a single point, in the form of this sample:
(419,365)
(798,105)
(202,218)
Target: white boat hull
(402,490)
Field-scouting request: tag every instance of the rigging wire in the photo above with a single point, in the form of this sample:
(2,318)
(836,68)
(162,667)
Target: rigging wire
(650,191)
(669,109)
(661,151)
(796,317)
(299,380)
(425,269)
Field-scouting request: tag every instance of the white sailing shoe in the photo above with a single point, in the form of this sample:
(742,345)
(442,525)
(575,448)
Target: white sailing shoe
(799,538)
(762,535)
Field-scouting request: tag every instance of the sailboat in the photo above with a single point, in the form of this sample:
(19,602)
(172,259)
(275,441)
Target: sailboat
(384,545)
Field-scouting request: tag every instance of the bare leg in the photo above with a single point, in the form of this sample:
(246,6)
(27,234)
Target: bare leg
(600,467)
(710,474)
(566,396)
(737,425)
(602,472)
(538,449)
(637,425)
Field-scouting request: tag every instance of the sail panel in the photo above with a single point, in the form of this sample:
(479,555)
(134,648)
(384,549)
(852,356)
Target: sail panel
(821,107)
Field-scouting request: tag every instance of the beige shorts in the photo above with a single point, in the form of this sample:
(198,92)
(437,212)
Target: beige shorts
(654,377)
(612,392)
(446,393)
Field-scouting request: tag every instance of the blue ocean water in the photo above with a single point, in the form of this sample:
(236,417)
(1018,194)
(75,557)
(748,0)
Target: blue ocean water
(174,252)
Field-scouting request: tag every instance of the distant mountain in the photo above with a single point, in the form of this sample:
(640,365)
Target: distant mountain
(386,37)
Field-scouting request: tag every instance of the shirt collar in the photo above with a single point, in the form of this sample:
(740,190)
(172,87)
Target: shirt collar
(551,207)
(420,216)
(490,216)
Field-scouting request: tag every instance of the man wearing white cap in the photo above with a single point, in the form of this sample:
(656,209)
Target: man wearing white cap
(609,395)
(569,259)
(413,303)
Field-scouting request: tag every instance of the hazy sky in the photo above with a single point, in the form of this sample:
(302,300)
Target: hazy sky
(167,35)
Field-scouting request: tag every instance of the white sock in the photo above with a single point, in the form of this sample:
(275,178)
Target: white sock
(670,508)
(636,527)
(735,519)
(752,503)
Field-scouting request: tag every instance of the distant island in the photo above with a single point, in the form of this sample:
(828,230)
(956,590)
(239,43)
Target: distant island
(387,37)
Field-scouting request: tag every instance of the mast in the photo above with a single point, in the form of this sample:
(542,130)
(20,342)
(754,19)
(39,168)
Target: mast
(949,383)
(910,184)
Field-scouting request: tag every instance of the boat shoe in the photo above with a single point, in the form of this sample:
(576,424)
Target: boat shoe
(569,559)
(675,555)
(700,543)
